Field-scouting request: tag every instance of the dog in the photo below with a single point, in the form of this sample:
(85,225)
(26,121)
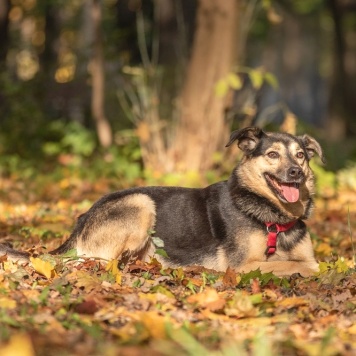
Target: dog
(253,220)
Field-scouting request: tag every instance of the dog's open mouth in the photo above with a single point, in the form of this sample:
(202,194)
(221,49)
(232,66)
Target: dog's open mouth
(287,192)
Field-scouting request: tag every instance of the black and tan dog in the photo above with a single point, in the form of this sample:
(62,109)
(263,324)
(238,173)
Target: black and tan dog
(253,220)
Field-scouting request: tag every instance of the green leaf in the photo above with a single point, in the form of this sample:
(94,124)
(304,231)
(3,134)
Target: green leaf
(158,242)
(161,252)
(266,4)
(183,338)
(256,298)
(271,79)
(247,277)
(160,289)
(70,253)
(341,266)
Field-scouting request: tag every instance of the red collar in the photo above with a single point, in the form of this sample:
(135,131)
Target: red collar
(273,230)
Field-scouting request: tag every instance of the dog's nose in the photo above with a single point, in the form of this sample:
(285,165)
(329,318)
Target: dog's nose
(295,172)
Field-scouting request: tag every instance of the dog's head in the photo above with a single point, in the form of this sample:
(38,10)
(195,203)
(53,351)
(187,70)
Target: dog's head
(276,166)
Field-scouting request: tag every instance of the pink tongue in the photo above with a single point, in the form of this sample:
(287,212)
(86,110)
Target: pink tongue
(290,192)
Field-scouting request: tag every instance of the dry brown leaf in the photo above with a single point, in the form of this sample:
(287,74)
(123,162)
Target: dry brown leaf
(230,278)
(208,299)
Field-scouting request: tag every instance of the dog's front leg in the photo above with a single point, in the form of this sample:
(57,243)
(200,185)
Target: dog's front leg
(282,268)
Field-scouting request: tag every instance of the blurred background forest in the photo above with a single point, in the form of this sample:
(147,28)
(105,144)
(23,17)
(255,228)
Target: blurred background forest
(149,90)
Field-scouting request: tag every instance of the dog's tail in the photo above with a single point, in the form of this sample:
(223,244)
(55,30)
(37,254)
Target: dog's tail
(14,255)
(24,257)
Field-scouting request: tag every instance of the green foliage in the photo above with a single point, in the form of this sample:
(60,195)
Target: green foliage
(159,244)
(264,279)
(257,76)
(333,272)
(347,176)
(326,180)
(75,139)
(71,149)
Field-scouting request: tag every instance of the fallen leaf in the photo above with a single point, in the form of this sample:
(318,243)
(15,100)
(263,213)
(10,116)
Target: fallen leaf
(292,302)
(7,303)
(43,267)
(19,344)
(255,286)
(85,280)
(230,279)
(352,329)
(87,307)
(241,306)
(208,299)
(113,268)
(154,323)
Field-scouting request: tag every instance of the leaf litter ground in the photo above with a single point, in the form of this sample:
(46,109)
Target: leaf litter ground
(60,306)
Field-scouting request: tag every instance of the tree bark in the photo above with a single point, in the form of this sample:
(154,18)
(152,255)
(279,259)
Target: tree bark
(103,127)
(4,27)
(342,99)
(201,129)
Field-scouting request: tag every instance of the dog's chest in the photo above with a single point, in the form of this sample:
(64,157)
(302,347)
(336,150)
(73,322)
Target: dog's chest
(257,246)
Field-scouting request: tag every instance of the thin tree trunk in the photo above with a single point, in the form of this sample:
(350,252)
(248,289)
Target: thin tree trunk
(98,79)
(202,129)
(336,125)
(4,27)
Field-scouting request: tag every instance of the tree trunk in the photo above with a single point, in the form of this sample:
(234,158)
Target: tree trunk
(201,129)
(103,127)
(342,106)
(4,26)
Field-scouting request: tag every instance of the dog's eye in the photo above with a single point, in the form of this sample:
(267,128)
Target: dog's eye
(300,155)
(273,154)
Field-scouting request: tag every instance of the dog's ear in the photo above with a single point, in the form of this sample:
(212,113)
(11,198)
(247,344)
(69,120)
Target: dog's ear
(312,146)
(247,138)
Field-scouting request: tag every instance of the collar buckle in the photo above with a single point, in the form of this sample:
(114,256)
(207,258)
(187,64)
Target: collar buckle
(273,230)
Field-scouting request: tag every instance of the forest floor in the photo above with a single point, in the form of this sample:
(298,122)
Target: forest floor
(57,308)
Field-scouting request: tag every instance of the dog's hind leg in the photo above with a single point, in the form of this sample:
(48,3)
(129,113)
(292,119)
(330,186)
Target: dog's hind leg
(112,227)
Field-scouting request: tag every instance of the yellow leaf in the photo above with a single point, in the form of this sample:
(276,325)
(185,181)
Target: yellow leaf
(341,265)
(256,77)
(113,268)
(85,280)
(324,249)
(154,323)
(9,266)
(234,81)
(352,329)
(7,303)
(43,267)
(241,305)
(293,302)
(272,80)
(209,299)
(18,345)
(221,88)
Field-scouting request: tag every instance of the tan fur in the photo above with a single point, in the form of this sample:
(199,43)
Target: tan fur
(299,260)
(218,262)
(281,268)
(133,230)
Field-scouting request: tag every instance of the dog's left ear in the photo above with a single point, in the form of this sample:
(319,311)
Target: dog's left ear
(247,138)
(312,146)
